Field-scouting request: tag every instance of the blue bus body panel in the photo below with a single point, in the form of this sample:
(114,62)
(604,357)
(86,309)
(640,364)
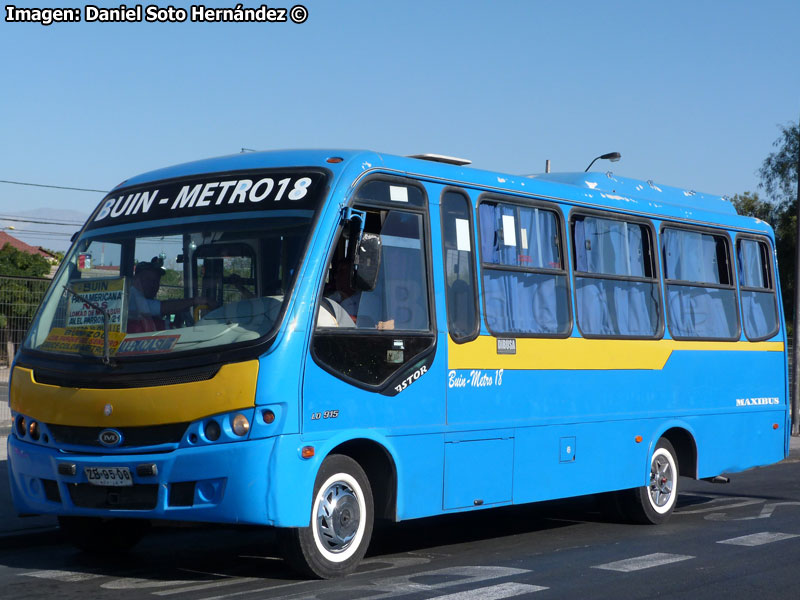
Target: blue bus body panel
(460,437)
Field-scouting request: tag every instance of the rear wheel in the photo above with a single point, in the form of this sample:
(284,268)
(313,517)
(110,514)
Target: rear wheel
(654,502)
(103,536)
(341,522)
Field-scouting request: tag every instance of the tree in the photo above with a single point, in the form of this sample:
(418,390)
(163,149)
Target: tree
(778,175)
(21,264)
(779,180)
(19,297)
(58,254)
(779,170)
(751,205)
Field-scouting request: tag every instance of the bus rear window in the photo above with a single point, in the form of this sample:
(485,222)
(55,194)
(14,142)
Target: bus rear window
(759,301)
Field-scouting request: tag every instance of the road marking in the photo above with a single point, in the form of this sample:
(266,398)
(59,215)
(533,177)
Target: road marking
(206,586)
(721,503)
(225,580)
(759,539)
(766,513)
(390,587)
(494,592)
(643,562)
(65,576)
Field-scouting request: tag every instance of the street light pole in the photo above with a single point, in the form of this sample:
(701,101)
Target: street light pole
(612,156)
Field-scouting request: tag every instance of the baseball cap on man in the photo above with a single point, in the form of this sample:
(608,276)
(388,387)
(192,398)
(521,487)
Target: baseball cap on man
(156,264)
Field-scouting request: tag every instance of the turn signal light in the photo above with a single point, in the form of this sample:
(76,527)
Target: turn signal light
(240,425)
(269,416)
(307,451)
(638,439)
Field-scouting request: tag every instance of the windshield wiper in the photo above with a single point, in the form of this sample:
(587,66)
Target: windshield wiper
(106,321)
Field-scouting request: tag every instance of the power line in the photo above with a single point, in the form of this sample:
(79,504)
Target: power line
(57,187)
(39,222)
(35,233)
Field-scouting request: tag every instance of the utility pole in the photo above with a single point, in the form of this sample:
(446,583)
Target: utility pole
(795,344)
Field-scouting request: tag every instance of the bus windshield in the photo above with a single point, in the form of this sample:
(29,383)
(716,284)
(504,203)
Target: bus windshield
(199,279)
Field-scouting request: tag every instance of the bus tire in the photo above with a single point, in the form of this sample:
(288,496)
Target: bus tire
(95,535)
(654,503)
(342,515)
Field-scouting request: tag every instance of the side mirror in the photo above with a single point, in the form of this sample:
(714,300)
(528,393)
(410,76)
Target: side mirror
(367,262)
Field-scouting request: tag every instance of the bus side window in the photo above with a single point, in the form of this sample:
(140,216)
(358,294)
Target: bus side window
(701,297)
(524,274)
(460,288)
(370,335)
(757,288)
(617,292)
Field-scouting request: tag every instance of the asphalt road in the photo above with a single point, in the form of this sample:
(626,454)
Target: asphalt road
(740,540)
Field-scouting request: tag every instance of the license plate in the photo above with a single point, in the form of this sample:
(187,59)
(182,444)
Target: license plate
(109,476)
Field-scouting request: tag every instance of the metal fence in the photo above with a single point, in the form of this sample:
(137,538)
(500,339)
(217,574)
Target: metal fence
(19,299)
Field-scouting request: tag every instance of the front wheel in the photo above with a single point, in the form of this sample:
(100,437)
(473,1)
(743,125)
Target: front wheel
(341,522)
(654,502)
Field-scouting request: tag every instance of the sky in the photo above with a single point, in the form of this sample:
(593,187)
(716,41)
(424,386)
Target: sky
(691,93)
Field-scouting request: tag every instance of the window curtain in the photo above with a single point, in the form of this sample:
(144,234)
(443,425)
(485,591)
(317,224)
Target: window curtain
(520,302)
(758,307)
(613,307)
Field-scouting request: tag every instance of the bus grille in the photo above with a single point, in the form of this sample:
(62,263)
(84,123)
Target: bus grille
(135,497)
(151,435)
(122,381)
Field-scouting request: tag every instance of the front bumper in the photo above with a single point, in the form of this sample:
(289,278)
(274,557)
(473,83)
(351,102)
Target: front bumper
(224,483)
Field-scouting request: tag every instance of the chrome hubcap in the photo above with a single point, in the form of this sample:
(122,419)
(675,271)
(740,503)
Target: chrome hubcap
(338,516)
(661,481)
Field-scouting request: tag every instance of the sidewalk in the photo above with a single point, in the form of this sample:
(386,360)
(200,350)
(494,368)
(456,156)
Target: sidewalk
(15,530)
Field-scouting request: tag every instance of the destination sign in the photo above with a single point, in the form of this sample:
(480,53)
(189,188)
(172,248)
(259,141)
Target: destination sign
(211,194)
(108,294)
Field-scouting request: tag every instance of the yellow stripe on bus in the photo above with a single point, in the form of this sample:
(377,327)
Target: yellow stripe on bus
(584,354)
(233,387)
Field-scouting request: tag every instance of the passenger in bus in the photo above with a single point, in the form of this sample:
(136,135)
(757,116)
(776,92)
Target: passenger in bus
(145,313)
(341,292)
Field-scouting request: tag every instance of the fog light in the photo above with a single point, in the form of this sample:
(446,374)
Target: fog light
(21,426)
(67,469)
(212,431)
(147,470)
(269,416)
(33,429)
(240,425)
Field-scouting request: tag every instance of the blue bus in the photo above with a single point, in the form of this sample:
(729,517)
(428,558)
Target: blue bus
(312,340)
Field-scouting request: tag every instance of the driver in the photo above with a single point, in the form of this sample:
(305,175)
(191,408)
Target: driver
(145,313)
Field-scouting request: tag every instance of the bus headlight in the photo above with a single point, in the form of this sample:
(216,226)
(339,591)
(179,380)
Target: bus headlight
(240,424)
(33,430)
